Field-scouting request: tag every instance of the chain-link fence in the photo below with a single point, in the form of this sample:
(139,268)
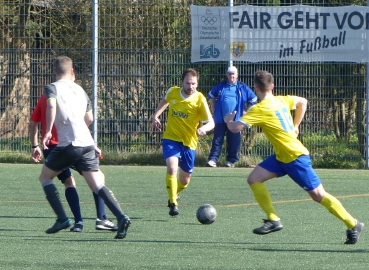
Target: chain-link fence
(143,48)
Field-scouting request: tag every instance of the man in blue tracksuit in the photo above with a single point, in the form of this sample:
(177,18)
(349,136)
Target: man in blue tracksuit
(228,96)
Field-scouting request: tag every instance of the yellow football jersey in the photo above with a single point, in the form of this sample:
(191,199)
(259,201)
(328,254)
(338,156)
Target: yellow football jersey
(184,116)
(273,115)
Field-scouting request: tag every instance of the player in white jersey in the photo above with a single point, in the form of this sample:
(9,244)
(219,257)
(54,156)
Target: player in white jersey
(67,104)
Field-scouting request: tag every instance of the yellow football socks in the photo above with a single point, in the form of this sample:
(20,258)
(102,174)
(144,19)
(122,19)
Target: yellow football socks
(336,208)
(181,186)
(172,186)
(263,198)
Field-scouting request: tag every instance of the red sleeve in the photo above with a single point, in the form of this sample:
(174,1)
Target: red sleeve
(39,116)
(37,111)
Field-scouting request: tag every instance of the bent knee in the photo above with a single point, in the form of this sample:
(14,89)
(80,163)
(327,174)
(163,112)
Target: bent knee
(172,171)
(69,182)
(185,180)
(317,194)
(252,180)
(316,197)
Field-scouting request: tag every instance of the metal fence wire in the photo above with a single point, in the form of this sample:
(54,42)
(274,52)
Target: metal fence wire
(144,45)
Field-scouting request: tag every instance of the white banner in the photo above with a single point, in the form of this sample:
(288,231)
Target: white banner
(287,33)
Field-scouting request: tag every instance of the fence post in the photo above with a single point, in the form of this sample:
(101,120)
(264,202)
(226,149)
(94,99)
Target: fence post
(367,107)
(230,3)
(95,59)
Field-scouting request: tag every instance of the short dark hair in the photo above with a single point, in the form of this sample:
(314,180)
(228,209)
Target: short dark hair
(62,65)
(192,72)
(263,79)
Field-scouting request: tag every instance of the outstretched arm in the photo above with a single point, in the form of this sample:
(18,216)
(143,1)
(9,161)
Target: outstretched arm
(233,126)
(206,127)
(50,118)
(163,104)
(33,134)
(301,105)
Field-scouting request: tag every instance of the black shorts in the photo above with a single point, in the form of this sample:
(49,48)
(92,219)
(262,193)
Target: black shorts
(65,174)
(78,158)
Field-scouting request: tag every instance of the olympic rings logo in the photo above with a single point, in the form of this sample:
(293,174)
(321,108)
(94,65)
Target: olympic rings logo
(209,20)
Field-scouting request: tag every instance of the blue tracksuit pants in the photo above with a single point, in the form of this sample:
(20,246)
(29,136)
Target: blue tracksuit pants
(233,143)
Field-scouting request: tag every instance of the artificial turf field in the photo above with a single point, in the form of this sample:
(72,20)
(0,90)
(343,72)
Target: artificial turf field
(311,239)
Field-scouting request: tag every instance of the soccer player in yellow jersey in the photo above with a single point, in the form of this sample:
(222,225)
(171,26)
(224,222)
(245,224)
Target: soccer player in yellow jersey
(187,108)
(291,157)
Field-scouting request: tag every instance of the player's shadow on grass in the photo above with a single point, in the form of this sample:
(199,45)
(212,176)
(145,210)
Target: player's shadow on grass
(175,218)
(195,223)
(52,219)
(33,217)
(213,176)
(309,250)
(109,239)
(109,217)
(14,230)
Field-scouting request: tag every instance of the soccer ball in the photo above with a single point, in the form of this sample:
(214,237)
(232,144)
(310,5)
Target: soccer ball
(206,214)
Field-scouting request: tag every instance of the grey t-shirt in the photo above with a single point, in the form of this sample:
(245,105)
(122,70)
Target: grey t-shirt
(72,105)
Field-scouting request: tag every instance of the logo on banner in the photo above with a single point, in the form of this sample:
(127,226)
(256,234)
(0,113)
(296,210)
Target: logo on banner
(237,49)
(209,52)
(208,20)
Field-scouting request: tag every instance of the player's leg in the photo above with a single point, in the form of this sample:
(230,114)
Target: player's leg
(172,154)
(96,183)
(57,159)
(64,177)
(72,197)
(99,203)
(171,183)
(186,164)
(88,165)
(256,181)
(266,170)
(217,143)
(102,221)
(334,206)
(183,181)
(233,147)
(171,179)
(53,197)
(302,172)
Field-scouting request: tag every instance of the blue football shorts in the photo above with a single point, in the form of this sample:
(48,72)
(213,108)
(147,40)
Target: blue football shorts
(300,170)
(186,156)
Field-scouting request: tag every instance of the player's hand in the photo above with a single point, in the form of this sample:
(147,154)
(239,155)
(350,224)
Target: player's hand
(297,131)
(46,140)
(156,123)
(98,151)
(36,154)
(201,132)
(229,117)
